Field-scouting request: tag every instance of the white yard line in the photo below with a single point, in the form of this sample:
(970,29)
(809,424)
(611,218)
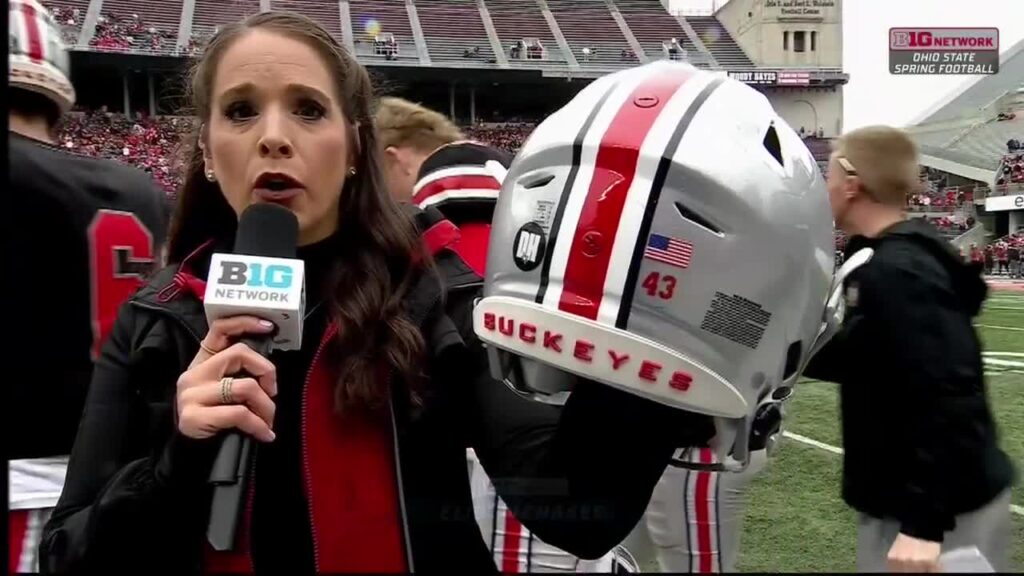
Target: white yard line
(1000,327)
(1014,508)
(1017,354)
(998,362)
(812,442)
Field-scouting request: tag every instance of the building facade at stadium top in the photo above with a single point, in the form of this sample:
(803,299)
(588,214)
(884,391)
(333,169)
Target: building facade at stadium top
(496,66)
(972,154)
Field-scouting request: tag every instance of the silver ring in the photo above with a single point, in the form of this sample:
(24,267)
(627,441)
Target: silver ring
(225,390)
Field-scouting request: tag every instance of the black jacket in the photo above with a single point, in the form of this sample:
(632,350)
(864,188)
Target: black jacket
(920,443)
(136,496)
(84,234)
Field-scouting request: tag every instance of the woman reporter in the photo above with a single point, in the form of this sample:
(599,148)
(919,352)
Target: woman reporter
(361,434)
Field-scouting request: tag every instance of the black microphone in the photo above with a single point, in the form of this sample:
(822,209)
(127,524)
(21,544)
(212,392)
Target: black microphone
(260,278)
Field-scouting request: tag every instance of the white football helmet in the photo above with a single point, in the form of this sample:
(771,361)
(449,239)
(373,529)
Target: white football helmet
(37,58)
(668,234)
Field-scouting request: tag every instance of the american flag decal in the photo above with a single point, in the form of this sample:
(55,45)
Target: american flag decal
(668,250)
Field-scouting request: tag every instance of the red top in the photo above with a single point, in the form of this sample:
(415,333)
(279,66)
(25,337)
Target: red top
(472,246)
(351,487)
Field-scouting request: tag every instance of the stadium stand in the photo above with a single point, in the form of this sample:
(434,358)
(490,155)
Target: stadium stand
(210,14)
(454,31)
(122,29)
(719,42)
(514,20)
(373,18)
(589,25)
(973,97)
(326,13)
(653,26)
(989,138)
(71,15)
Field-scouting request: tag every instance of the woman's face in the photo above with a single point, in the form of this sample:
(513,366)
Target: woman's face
(276,131)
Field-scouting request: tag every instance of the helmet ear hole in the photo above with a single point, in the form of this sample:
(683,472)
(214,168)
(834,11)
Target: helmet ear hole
(772,144)
(792,360)
(697,219)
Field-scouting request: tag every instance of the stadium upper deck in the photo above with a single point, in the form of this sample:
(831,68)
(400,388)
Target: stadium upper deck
(579,38)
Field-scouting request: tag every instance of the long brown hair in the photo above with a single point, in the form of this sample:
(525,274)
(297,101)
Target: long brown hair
(376,240)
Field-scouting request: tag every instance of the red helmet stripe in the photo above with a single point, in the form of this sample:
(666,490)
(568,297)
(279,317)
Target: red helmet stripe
(32,31)
(614,170)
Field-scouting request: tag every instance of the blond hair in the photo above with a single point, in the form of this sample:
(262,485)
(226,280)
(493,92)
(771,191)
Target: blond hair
(405,124)
(885,159)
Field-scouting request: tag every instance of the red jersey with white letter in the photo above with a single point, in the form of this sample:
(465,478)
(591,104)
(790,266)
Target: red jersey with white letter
(83,234)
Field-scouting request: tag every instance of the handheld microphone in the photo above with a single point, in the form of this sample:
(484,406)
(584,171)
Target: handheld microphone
(261,278)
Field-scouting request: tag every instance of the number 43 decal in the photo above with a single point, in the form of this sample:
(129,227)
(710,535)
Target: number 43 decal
(660,286)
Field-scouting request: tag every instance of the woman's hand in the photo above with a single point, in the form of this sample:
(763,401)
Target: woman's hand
(209,401)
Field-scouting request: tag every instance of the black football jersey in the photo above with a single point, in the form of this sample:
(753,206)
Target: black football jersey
(82,235)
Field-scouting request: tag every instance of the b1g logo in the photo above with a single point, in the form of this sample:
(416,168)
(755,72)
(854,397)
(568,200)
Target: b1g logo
(255,275)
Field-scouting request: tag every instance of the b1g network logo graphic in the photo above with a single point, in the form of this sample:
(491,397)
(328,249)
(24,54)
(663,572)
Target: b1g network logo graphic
(948,51)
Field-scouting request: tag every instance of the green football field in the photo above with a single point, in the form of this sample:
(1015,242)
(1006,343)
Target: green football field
(796,520)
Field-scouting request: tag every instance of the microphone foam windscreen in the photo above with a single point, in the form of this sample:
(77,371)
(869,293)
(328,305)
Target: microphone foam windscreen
(267,230)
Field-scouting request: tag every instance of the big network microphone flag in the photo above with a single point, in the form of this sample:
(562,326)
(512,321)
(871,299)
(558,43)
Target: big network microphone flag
(261,278)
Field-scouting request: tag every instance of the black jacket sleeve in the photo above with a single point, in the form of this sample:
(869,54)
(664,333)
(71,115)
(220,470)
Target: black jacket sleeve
(934,374)
(827,363)
(579,476)
(116,480)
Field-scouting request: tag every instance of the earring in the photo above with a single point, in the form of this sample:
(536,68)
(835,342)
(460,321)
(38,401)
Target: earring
(351,171)
(211,176)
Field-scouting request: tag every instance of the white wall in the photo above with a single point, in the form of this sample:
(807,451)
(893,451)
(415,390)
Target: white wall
(800,107)
(758,26)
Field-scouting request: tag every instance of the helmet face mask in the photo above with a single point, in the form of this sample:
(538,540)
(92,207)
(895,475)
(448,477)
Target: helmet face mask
(665,233)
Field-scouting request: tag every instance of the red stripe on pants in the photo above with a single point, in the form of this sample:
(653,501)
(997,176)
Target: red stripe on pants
(703,505)
(17,526)
(513,537)
(614,170)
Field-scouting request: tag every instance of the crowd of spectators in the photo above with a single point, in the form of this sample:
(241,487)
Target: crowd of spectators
(70,21)
(154,145)
(1002,257)
(508,137)
(1011,169)
(130,33)
(150,143)
(936,199)
(951,226)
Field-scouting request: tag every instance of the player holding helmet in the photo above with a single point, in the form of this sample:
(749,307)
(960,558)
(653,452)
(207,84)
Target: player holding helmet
(430,163)
(668,234)
(89,230)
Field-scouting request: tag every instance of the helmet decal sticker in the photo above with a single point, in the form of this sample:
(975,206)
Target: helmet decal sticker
(528,246)
(736,318)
